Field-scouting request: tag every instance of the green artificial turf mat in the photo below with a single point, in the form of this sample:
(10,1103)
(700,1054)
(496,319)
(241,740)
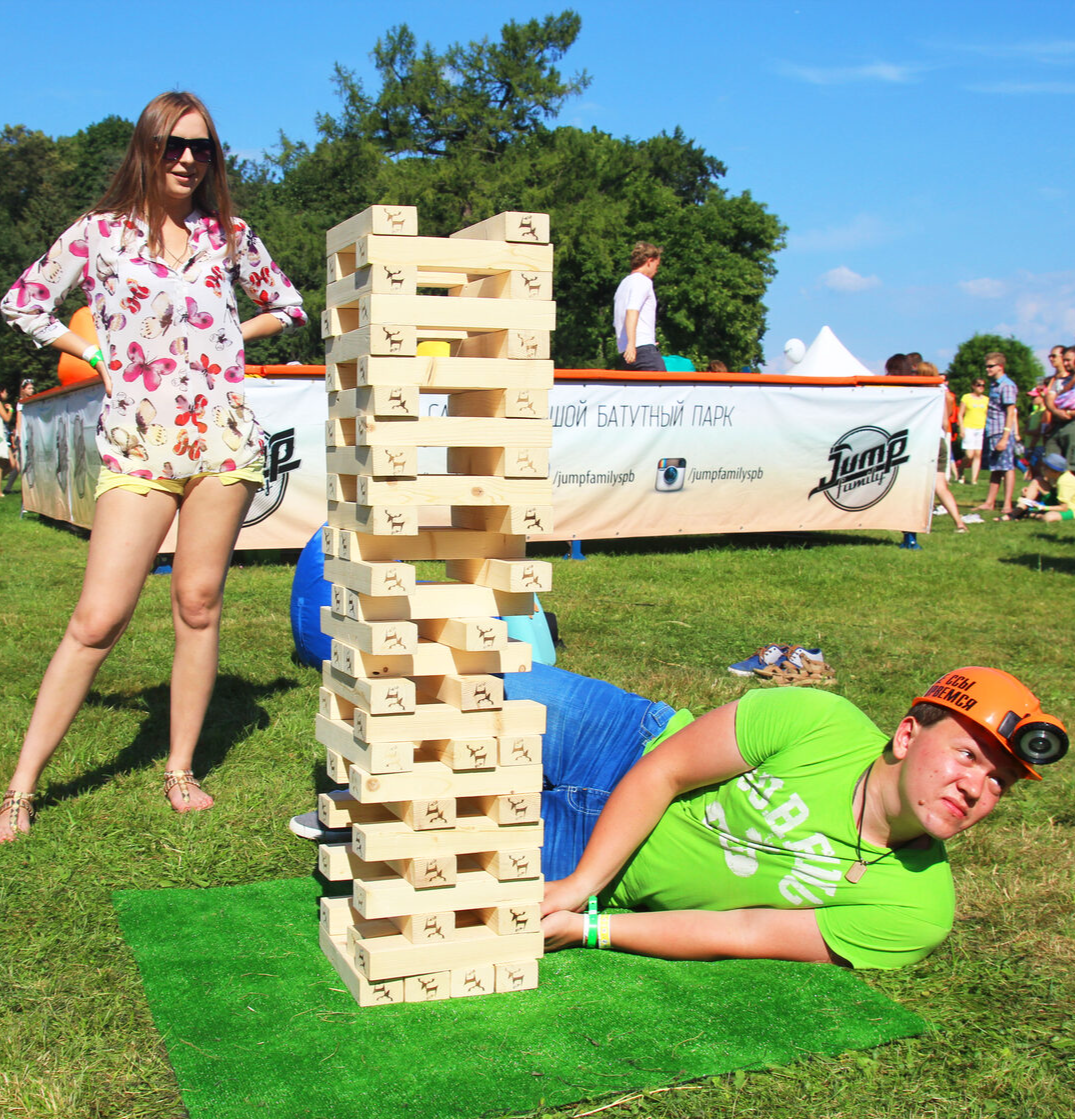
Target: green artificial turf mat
(257,1022)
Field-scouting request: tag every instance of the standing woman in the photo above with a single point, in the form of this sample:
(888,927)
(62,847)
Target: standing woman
(158,258)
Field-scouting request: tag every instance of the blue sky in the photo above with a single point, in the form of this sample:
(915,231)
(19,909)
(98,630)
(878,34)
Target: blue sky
(917,152)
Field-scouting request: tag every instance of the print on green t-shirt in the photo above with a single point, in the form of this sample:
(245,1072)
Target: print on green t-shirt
(783,835)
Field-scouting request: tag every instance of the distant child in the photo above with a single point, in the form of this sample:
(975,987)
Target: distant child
(1061,490)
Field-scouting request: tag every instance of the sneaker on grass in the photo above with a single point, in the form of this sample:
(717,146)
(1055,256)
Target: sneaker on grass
(308,826)
(767,654)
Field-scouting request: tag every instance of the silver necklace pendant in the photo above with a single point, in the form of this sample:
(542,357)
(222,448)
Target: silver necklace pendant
(855,871)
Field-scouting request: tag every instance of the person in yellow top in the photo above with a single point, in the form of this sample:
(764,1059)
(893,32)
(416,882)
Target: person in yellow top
(972,409)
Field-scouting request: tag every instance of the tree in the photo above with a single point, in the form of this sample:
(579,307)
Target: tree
(969,362)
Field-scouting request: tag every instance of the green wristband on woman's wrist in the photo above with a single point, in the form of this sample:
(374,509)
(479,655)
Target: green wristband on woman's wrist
(93,356)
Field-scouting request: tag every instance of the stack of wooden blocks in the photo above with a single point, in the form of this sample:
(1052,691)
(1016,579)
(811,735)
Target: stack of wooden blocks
(443,773)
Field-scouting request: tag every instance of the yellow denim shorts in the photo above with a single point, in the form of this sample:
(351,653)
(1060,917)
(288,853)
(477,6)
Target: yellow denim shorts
(110,480)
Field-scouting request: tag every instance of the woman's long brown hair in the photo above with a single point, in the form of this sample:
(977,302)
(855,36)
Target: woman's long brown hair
(136,188)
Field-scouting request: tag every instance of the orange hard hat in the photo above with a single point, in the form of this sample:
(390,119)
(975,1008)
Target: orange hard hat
(1007,709)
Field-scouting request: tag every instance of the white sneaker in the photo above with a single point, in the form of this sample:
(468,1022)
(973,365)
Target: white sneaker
(973,519)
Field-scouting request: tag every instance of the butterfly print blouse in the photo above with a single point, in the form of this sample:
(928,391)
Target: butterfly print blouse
(170,336)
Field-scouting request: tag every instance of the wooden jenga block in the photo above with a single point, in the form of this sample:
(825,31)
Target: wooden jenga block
(430,600)
(458,313)
(468,889)
(519,749)
(335,765)
(384,520)
(526,344)
(511,808)
(382,840)
(512,225)
(435,779)
(441,489)
(473,981)
(468,256)
(522,519)
(435,720)
(519,975)
(510,920)
(391,957)
(429,659)
(461,754)
(349,366)
(509,285)
(338,809)
(346,750)
(384,402)
(503,575)
(398,221)
(424,814)
(346,290)
(373,462)
(338,862)
(466,693)
(379,339)
(380,696)
(374,637)
(366,993)
(427,928)
(511,863)
(472,634)
(376,578)
(422,873)
(452,431)
(508,403)
(431,987)
(337,914)
(503,462)
(430,544)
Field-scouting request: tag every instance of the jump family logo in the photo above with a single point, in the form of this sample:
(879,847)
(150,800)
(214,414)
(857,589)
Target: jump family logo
(865,463)
(278,464)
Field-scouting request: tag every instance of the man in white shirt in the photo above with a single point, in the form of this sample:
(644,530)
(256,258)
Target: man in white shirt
(635,311)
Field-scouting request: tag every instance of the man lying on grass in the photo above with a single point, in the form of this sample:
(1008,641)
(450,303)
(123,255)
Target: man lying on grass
(784,825)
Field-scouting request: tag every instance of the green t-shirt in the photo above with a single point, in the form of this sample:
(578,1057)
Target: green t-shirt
(783,834)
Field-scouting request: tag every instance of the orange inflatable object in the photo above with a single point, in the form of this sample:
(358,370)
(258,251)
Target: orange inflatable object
(74,369)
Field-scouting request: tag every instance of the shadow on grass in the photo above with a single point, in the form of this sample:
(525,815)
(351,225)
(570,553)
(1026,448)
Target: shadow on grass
(1038,562)
(234,712)
(737,541)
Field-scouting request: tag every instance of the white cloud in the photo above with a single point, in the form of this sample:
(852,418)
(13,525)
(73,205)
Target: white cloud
(1044,308)
(984,288)
(863,230)
(1044,51)
(889,72)
(843,279)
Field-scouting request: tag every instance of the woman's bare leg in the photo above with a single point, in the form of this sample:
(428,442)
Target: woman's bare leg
(210,517)
(944,496)
(975,465)
(127,532)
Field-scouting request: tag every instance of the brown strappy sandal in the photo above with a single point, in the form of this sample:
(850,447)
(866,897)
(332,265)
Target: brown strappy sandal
(15,802)
(183,779)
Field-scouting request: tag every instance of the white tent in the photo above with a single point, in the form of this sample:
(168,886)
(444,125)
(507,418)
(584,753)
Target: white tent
(827,356)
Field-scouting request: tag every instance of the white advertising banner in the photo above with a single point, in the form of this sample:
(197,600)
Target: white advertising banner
(628,459)
(664,460)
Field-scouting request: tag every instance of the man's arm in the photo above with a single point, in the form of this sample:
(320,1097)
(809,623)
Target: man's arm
(704,752)
(1009,426)
(630,328)
(699,934)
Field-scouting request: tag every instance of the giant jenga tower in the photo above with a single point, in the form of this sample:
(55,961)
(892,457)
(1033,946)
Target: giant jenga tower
(443,773)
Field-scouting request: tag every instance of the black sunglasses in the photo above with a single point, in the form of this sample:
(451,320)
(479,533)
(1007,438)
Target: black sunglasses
(201,149)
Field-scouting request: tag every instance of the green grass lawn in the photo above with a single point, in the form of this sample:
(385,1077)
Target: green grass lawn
(76,1038)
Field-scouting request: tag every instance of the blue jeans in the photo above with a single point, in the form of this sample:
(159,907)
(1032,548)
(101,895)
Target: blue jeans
(594,733)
